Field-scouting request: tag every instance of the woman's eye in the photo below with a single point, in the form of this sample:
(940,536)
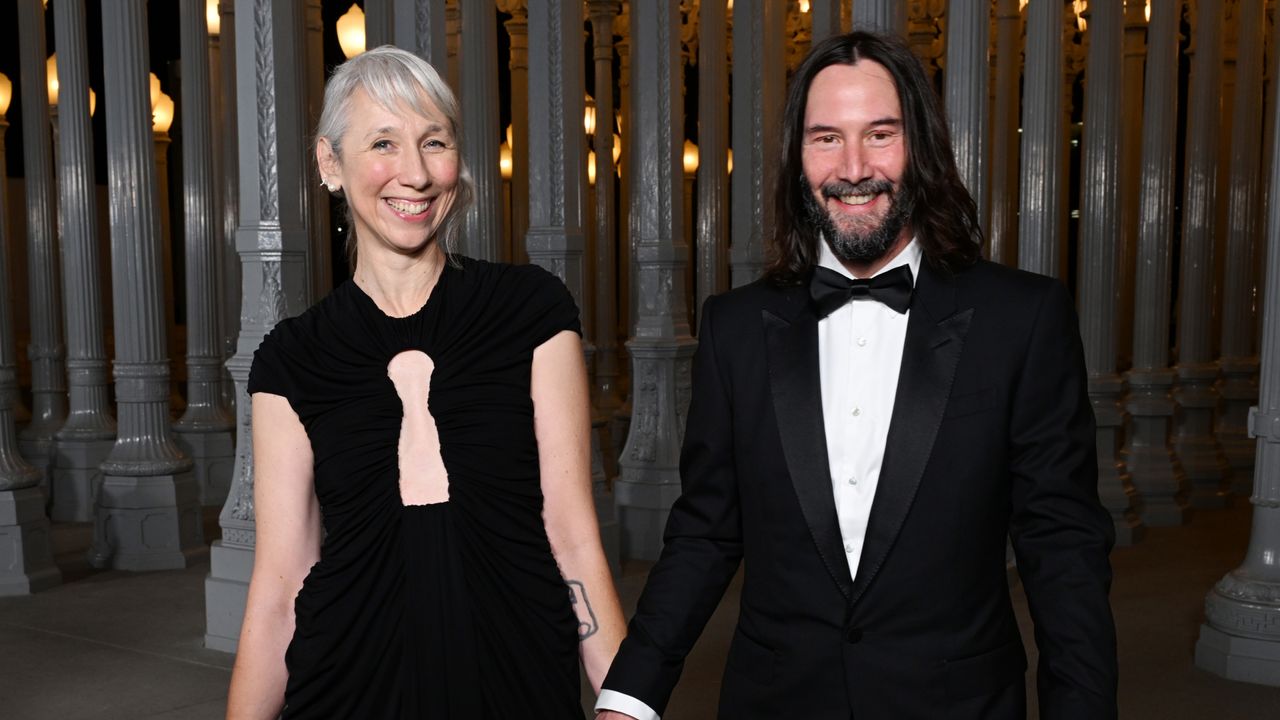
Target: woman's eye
(435,145)
(382,145)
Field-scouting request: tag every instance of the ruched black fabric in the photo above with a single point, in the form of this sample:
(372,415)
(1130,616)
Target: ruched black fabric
(451,610)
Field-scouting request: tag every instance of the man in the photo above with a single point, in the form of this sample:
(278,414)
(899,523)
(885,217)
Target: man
(865,448)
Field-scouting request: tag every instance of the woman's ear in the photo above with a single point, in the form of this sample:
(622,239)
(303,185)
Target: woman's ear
(327,162)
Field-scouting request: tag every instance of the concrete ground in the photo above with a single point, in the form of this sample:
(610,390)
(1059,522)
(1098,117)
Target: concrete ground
(112,644)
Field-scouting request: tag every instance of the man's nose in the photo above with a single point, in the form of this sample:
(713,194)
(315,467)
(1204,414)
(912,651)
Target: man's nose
(853,163)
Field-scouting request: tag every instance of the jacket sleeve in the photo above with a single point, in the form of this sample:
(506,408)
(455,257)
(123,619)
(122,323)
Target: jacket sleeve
(1061,534)
(702,543)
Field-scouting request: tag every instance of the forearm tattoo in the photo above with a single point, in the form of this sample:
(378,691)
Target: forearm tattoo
(587,625)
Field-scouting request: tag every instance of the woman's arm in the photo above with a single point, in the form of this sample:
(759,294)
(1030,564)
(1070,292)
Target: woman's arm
(288,543)
(562,422)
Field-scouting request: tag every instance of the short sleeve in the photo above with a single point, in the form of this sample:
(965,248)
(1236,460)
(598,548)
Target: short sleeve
(268,373)
(550,309)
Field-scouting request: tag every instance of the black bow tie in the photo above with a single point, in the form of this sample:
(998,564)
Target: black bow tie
(830,290)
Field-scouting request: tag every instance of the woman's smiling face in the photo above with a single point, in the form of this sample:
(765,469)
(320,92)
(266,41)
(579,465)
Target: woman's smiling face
(398,171)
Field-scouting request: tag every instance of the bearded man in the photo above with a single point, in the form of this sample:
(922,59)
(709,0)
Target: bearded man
(870,421)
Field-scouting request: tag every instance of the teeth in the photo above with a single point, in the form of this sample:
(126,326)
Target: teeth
(407,207)
(856,199)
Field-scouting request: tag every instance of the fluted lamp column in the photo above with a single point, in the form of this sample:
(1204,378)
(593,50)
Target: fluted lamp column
(1155,471)
(88,435)
(1195,393)
(479,95)
(46,349)
(1099,251)
(968,23)
(712,232)
(887,16)
(606,393)
(1240,638)
(1239,360)
(1002,227)
(24,528)
(1043,157)
(205,430)
(758,87)
(661,347)
(148,513)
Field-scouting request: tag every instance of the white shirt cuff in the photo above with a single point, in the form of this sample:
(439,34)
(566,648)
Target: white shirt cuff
(623,703)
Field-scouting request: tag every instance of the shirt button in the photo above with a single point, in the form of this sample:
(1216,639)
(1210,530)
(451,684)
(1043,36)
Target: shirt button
(848,547)
(853,480)
(857,412)
(862,342)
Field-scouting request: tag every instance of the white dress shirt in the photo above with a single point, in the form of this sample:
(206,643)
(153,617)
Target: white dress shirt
(859,355)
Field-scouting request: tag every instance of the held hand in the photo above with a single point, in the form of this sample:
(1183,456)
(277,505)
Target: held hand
(612,715)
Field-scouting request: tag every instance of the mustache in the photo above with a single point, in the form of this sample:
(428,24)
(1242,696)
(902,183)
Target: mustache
(838,188)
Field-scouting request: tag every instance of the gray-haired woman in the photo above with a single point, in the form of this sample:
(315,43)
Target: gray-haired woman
(426,539)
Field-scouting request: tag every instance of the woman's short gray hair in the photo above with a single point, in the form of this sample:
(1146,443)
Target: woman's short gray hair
(395,78)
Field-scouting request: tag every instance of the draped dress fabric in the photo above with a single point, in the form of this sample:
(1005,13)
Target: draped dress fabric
(448,610)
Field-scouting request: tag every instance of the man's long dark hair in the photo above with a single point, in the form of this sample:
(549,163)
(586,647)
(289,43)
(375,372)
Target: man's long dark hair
(944,215)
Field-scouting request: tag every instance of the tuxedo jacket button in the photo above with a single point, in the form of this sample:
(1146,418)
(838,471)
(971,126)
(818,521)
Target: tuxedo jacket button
(853,635)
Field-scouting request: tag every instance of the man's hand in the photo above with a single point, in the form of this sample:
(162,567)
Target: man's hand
(612,715)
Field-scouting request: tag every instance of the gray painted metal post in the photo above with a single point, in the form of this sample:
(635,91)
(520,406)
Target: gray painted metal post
(1099,248)
(968,23)
(377,22)
(607,400)
(661,348)
(1240,638)
(229,203)
(1239,360)
(713,140)
(758,87)
(1043,158)
(24,529)
(1201,455)
(825,16)
(272,241)
(148,511)
(418,26)
(1156,473)
(518,33)
(1135,55)
(1002,232)
(204,431)
(480,135)
(888,16)
(316,197)
(89,433)
(46,350)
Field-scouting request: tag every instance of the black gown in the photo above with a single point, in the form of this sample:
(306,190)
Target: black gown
(449,610)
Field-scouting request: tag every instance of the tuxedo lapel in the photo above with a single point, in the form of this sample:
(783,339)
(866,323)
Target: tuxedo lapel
(791,337)
(930,354)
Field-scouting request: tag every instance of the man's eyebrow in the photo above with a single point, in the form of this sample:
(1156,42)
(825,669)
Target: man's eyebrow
(819,128)
(811,129)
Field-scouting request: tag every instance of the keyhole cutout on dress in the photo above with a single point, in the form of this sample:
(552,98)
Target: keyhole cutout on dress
(423,479)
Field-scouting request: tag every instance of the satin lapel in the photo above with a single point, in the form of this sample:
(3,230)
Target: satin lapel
(792,353)
(930,354)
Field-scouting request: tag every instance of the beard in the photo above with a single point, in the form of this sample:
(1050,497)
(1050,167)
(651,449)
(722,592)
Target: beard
(860,242)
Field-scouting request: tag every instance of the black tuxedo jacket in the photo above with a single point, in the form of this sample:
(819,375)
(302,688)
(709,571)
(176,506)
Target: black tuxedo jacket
(992,436)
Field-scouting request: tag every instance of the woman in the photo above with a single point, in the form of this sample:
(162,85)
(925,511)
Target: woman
(426,538)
